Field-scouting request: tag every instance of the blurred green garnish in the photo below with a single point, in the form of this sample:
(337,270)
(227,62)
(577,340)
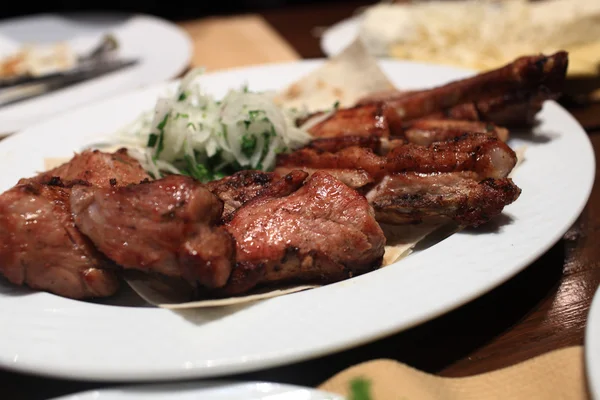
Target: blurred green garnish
(360,389)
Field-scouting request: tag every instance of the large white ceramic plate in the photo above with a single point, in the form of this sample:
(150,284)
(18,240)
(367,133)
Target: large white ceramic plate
(338,36)
(592,347)
(206,391)
(45,334)
(163,48)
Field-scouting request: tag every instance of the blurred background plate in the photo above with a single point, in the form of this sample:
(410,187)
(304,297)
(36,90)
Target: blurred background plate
(337,37)
(163,48)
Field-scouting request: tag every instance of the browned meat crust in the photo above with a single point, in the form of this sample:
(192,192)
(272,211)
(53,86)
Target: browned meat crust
(40,246)
(411,198)
(513,110)
(99,169)
(165,226)
(323,232)
(529,74)
(237,189)
(367,120)
(480,153)
(427,131)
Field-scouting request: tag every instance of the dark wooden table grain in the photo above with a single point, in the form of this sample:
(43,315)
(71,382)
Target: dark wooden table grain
(541,309)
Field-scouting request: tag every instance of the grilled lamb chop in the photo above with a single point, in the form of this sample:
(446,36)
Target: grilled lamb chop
(408,198)
(526,76)
(463,179)
(41,247)
(39,243)
(515,109)
(480,153)
(322,232)
(167,226)
(508,96)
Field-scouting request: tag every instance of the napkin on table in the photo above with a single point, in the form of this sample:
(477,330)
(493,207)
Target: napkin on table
(556,375)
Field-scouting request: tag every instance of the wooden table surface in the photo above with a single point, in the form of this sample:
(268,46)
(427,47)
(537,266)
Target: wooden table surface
(542,309)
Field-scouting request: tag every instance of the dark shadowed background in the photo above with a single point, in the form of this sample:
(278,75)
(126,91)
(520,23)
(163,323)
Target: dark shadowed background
(171,9)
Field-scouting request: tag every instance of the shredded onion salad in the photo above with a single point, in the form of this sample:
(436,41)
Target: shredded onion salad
(193,134)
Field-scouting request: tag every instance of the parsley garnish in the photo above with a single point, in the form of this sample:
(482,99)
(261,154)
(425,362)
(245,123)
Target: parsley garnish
(182,96)
(248,145)
(360,389)
(197,171)
(161,136)
(152,140)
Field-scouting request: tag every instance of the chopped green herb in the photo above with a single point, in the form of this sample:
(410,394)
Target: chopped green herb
(280,150)
(336,105)
(152,140)
(197,171)
(182,96)
(191,125)
(180,115)
(253,114)
(161,136)
(360,389)
(248,145)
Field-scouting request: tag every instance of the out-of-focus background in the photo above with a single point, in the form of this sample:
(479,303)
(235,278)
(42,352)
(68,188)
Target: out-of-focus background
(172,9)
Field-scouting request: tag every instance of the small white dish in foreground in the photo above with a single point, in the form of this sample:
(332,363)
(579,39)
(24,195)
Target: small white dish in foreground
(206,391)
(164,51)
(592,347)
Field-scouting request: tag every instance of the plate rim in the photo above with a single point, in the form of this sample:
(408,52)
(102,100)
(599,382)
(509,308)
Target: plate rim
(275,360)
(592,346)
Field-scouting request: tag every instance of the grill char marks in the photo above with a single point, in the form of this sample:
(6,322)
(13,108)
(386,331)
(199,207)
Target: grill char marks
(322,232)
(167,226)
(40,245)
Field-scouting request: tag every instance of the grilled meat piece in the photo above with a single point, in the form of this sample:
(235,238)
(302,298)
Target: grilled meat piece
(516,109)
(364,120)
(427,131)
(352,177)
(481,153)
(40,246)
(165,226)
(411,198)
(99,169)
(323,232)
(239,188)
(528,74)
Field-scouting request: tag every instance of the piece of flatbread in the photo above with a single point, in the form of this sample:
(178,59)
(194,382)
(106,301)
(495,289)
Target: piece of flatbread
(345,78)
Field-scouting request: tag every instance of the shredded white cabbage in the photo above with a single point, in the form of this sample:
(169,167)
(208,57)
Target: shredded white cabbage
(191,132)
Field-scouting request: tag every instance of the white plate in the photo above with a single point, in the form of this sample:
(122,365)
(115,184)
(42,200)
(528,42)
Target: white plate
(337,37)
(45,334)
(163,48)
(592,347)
(206,391)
